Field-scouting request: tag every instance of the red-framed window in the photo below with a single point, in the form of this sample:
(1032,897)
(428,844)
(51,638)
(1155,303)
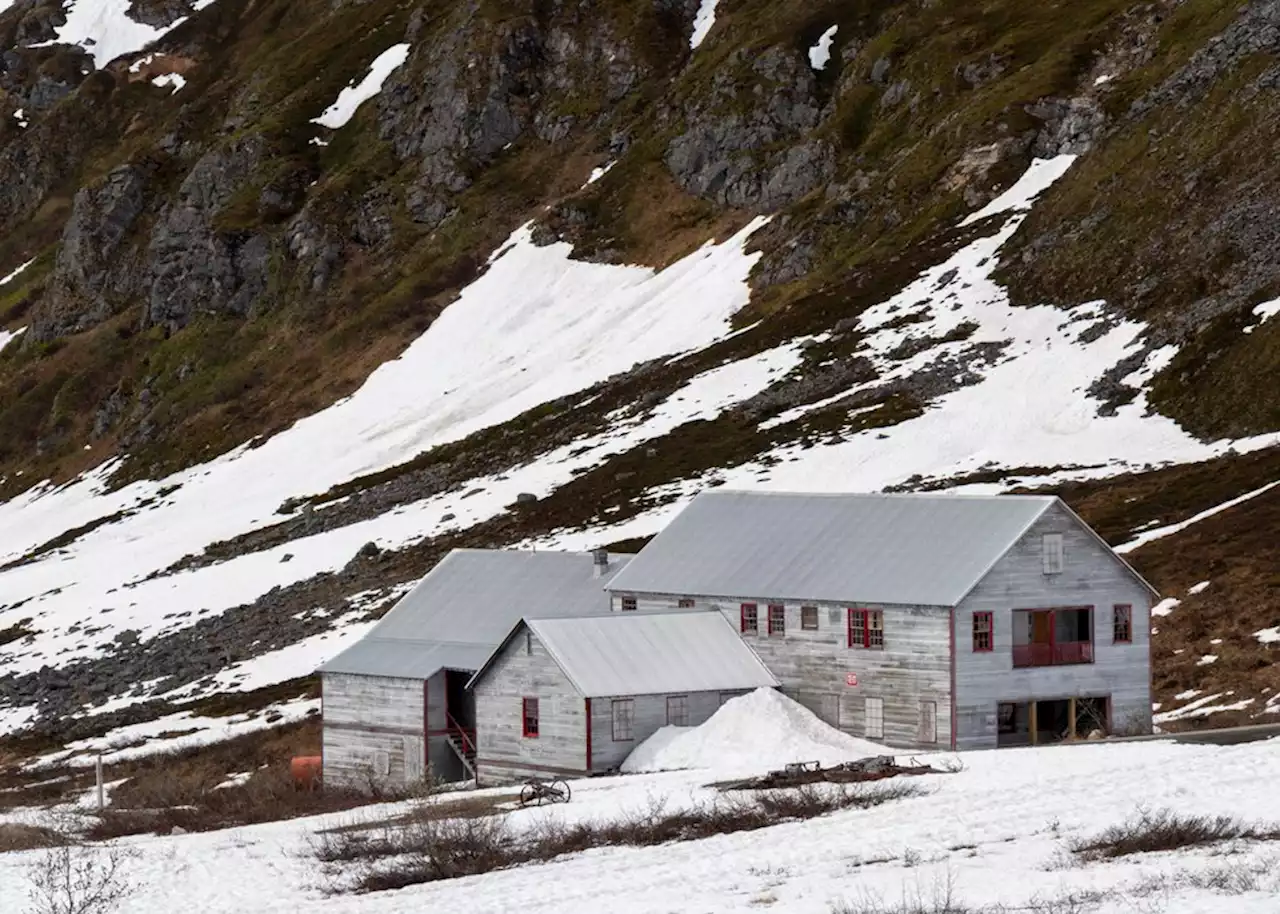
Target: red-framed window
(750,618)
(777,619)
(1122,624)
(809,618)
(530,717)
(866,629)
(983,632)
(686,603)
(628,604)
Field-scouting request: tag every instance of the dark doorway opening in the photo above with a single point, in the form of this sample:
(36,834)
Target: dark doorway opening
(460,703)
(1056,720)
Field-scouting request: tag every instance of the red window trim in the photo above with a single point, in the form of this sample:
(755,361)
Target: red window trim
(990,632)
(525,716)
(778,611)
(865,616)
(1128,611)
(755,618)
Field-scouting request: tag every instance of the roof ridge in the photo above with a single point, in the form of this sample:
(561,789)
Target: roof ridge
(903,495)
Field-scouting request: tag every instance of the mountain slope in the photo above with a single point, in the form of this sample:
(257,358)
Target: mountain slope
(303,295)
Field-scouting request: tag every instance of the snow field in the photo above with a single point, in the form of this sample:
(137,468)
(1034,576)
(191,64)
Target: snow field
(998,829)
(353,96)
(702,22)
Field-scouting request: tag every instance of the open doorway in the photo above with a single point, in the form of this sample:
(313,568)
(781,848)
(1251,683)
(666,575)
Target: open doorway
(460,703)
(1047,721)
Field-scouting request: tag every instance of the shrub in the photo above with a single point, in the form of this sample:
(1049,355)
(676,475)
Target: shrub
(1166,831)
(73,878)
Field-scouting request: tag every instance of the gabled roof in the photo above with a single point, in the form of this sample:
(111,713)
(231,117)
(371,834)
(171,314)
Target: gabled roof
(468,603)
(926,550)
(646,654)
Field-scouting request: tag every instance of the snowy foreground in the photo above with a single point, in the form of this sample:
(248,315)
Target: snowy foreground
(997,830)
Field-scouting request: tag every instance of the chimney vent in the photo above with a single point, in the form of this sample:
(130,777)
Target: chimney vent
(600,561)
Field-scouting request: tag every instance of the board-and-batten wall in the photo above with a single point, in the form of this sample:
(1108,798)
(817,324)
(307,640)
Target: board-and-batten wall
(366,716)
(910,675)
(523,669)
(1091,576)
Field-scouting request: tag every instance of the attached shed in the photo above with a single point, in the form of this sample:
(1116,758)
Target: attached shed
(573,696)
(395,703)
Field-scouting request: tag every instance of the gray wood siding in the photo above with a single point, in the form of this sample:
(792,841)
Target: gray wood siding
(504,754)
(914,667)
(650,716)
(367,714)
(1090,577)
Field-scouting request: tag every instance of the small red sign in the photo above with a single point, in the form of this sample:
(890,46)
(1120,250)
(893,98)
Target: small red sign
(851,679)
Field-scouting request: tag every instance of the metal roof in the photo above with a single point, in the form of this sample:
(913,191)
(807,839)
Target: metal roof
(905,549)
(649,654)
(466,605)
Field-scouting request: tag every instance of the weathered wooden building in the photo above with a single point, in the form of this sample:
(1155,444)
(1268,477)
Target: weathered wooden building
(573,696)
(919,621)
(395,703)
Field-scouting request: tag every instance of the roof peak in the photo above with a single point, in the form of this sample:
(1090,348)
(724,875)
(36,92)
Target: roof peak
(795,493)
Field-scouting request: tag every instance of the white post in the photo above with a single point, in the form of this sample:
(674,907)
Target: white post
(97,768)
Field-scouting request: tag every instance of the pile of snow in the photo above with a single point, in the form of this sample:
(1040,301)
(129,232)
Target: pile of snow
(760,730)
(820,53)
(356,94)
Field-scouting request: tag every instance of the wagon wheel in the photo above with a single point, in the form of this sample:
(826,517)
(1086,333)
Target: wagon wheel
(529,793)
(560,791)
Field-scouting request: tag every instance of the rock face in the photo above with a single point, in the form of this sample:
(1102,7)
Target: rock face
(192,267)
(85,287)
(748,145)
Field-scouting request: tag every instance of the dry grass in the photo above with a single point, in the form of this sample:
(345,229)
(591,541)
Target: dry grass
(428,848)
(17,837)
(1149,832)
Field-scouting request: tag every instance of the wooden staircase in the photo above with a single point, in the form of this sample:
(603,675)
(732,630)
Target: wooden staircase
(463,744)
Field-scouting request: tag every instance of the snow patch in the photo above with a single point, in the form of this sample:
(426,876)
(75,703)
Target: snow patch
(1198,588)
(21,118)
(1264,312)
(8,336)
(356,94)
(702,22)
(176,80)
(1207,659)
(598,173)
(1160,532)
(1268,635)
(760,730)
(1042,174)
(16,273)
(1166,606)
(820,53)
(105,30)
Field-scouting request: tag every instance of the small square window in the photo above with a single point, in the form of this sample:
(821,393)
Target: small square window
(628,604)
(982,625)
(1052,553)
(1122,623)
(624,715)
(777,620)
(809,618)
(530,715)
(686,603)
(677,711)
(873,718)
(750,619)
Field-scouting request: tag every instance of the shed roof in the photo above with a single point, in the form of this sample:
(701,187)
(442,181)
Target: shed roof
(468,603)
(905,549)
(647,654)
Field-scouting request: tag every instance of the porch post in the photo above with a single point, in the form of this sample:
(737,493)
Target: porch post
(1071,717)
(1031,722)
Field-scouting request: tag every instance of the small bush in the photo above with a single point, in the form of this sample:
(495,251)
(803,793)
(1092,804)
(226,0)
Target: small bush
(73,878)
(1166,831)
(17,837)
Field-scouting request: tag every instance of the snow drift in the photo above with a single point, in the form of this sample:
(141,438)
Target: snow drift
(762,729)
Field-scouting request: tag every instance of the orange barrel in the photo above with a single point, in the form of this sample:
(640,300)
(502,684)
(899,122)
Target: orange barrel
(306,771)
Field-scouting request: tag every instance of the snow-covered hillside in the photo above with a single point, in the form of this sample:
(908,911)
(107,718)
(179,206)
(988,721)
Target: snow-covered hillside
(539,325)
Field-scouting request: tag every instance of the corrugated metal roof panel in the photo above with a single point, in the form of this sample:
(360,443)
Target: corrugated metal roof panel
(904,549)
(652,654)
(467,604)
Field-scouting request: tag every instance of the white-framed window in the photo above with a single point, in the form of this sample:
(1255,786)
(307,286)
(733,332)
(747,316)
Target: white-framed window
(624,716)
(928,721)
(1052,552)
(873,718)
(677,710)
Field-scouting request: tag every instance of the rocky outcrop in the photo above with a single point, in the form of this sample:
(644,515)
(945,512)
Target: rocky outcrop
(192,267)
(85,287)
(746,142)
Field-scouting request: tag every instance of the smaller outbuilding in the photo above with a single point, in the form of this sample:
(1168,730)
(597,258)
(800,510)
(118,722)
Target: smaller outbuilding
(574,696)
